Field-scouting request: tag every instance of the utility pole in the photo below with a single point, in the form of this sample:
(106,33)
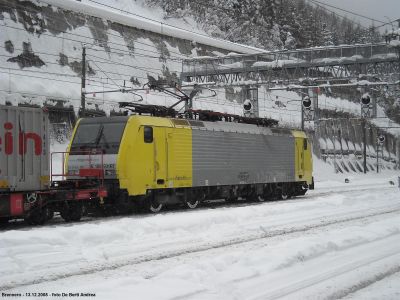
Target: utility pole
(302,113)
(83,83)
(377,156)
(364,125)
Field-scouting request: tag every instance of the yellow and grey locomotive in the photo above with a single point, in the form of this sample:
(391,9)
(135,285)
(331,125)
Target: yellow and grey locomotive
(157,160)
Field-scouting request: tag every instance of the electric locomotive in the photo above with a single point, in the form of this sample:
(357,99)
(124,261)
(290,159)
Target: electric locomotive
(150,162)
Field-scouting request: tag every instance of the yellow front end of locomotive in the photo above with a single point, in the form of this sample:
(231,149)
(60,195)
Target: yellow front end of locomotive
(154,154)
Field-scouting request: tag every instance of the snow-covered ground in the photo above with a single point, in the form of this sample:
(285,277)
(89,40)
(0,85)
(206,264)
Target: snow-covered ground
(341,240)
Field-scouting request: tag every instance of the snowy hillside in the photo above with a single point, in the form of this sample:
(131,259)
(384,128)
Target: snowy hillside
(41,61)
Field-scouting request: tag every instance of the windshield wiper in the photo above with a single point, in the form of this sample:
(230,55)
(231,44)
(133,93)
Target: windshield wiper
(98,137)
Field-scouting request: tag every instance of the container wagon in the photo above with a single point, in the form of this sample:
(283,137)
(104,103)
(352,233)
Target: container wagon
(26,188)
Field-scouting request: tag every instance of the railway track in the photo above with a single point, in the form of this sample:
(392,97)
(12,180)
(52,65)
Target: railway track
(190,246)
(58,221)
(373,262)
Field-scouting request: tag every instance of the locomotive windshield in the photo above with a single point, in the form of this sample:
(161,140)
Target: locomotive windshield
(99,133)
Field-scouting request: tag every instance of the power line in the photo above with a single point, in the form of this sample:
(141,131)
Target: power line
(172,26)
(75,34)
(345,10)
(105,61)
(82,42)
(45,53)
(110,61)
(52,79)
(105,74)
(124,52)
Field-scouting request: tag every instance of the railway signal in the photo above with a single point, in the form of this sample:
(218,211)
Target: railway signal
(247,108)
(379,147)
(247,105)
(307,102)
(366,106)
(307,111)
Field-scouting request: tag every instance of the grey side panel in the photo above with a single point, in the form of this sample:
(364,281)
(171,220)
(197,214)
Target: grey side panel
(227,158)
(22,170)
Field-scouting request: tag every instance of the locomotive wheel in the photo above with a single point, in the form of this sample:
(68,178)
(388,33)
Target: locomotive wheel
(284,193)
(302,192)
(192,204)
(71,212)
(153,205)
(260,198)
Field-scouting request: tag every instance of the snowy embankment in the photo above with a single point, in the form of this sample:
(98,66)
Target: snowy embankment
(334,241)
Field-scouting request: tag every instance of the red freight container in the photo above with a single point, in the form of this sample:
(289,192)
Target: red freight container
(24,149)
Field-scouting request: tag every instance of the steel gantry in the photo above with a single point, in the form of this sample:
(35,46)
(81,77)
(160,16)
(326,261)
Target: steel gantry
(339,62)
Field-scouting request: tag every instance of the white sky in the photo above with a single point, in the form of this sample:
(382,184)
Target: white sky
(376,9)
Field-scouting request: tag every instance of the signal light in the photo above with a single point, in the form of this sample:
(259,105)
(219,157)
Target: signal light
(365,99)
(381,139)
(307,102)
(247,105)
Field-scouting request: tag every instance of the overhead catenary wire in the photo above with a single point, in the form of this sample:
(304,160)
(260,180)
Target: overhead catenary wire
(148,69)
(110,61)
(83,42)
(172,26)
(346,10)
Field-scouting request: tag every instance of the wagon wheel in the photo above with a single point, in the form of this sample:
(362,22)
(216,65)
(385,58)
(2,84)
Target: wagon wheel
(37,216)
(4,221)
(71,211)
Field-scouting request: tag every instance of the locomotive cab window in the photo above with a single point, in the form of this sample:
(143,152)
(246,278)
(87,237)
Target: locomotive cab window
(148,134)
(99,134)
(305,144)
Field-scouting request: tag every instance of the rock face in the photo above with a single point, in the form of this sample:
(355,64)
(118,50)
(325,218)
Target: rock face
(27,58)
(42,65)
(48,21)
(42,55)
